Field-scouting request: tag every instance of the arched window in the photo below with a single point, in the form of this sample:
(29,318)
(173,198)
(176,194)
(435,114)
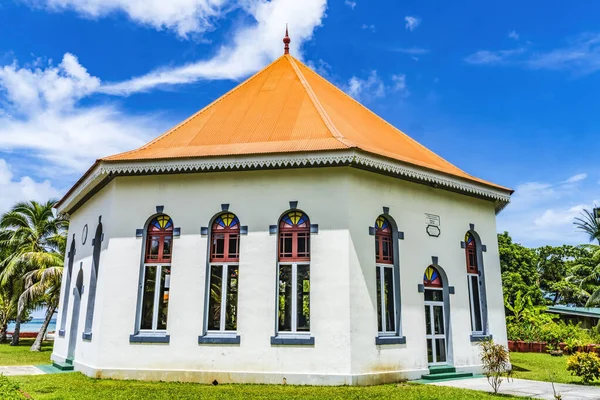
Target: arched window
(474,282)
(224,272)
(157,274)
(386,277)
(294,273)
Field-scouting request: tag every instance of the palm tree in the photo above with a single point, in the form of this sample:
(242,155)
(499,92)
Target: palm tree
(589,223)
(592,280)
(33,234)
(43,285)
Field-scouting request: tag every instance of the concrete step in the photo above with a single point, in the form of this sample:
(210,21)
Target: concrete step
(63,366)
(447,375)
(69,361)
(441,369)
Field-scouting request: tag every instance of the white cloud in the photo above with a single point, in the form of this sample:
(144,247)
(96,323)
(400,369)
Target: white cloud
(371,87)
(576,178)
(181,16)
(399,84)
(369,27)
(412,22)
(252,47)
(32,90)
(412,51)
(487,57)
(581,55)
(350,4)
(40,116)
(543,213)
(374,87)
(25,188)
(513,35)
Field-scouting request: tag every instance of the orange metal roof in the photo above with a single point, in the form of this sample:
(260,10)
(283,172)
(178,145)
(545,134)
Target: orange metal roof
(288,108)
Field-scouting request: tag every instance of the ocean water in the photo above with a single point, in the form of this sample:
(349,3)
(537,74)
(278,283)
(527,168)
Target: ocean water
(34,325)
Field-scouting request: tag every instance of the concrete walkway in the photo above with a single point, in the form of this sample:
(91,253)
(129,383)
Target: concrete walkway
(21,370)
(527,388)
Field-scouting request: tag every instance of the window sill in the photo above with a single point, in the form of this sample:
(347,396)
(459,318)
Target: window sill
(61,333)
(283,340)
(149,338)
(480,337)
(219,339)
(86,335)
(382,340)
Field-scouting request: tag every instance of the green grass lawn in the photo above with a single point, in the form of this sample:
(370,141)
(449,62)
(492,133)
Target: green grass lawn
(543,367)
(78,386)
(20,355)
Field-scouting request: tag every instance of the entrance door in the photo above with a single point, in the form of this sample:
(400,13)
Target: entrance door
(435,329)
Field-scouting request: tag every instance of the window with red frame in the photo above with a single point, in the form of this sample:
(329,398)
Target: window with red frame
(293,291)
(384,251)
(471,254)
(159,240)
(225,239)
(294,237)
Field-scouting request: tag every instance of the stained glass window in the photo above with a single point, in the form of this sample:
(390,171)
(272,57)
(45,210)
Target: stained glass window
(471,254)
(432,278)
(226,221)
(384,252)
(294,219)
(294,237)
(157,274)
(159,240)
(476,300)
(161,223)
(225,239)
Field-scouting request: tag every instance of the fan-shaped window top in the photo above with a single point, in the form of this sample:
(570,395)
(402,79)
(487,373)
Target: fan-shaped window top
(227,221)
(471,254)
(294,220)
(382,225)
(294,237)
(225,239)
(432,278)
(162,223)
(159,240)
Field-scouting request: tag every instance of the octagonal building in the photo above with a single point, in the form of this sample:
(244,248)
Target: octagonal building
(282,234)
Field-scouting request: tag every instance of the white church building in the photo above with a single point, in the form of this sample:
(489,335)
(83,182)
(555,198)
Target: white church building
(282,234)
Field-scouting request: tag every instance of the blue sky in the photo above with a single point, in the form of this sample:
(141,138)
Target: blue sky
(506,91)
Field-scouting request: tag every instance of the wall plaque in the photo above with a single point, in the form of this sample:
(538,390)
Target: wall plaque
(433,230)
(433,224)
(432,219)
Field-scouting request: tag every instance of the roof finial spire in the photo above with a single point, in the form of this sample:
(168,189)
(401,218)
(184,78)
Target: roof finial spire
(286,41)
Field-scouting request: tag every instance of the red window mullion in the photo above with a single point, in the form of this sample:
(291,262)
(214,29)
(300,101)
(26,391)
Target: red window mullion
(226,246)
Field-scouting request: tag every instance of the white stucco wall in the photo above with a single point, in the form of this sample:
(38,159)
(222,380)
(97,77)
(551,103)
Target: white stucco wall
(344,202)
(408,202)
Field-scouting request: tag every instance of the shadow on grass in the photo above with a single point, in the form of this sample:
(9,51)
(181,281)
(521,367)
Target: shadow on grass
(519,369)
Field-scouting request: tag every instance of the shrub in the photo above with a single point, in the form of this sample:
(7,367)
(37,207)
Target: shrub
(495,362)
(9,390)
(584,365)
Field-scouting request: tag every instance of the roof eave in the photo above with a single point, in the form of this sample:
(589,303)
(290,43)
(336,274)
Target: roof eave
(103,170)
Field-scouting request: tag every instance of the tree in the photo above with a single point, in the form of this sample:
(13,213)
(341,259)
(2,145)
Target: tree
(589,224)
(519,270)
(558,273)
(43,285)
(33,230)
(590,282)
